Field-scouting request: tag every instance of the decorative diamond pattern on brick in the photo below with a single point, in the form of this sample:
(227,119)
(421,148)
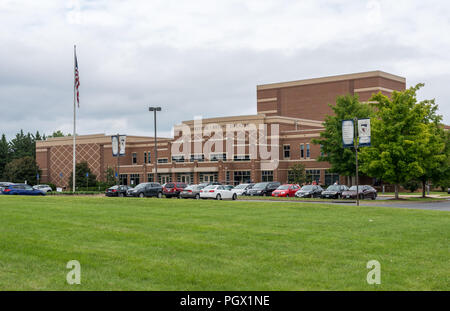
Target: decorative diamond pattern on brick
(61,161)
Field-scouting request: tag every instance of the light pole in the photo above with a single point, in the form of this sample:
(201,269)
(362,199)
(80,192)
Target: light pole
(155,109)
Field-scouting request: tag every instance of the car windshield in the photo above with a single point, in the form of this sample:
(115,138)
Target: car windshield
(210,187)
(307,188)
(283,187)
(241,186)
(261,185)
(114,187)
(170,185)
(140,186)
(333,188)
(353,188)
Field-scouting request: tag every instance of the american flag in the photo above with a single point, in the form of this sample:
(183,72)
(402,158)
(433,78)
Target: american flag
(77,80)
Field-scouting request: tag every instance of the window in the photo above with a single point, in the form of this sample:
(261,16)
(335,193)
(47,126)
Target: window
(150,177)
(242,157)
(266,176)
(134,158)
(123,179)
(149,157)
(145,157)
(197,157)
(307,151)
(134,179)
(164,178)
(321,151)
(208,177)
(178,158)
(241,177)
(302,151)
(331,178)
(163,160)
(287,151)
(313,175)
(218,156)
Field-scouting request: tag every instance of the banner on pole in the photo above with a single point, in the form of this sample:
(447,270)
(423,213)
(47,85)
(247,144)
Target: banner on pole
(364,132)
(115,145)
(122,141)
(348,133)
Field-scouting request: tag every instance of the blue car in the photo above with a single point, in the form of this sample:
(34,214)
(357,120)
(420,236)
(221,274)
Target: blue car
(21,189)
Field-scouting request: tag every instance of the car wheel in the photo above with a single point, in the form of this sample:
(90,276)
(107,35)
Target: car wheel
(218,197)
(234,196)
(159,195)
(141,195)
(374,197)
(197,196)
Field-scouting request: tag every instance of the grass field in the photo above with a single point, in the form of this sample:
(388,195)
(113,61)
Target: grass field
(169,244)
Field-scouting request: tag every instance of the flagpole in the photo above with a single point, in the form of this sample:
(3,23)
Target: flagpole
(74,121)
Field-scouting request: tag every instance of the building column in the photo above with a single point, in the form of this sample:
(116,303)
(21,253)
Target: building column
(221,174)
(322,177)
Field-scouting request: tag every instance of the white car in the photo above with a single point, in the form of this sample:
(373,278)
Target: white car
(242,189)
(43,188)
(217,192)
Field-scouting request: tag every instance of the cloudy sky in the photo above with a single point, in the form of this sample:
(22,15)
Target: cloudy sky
(203,57)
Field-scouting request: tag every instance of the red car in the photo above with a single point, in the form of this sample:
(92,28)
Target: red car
(173,189)
(286,190)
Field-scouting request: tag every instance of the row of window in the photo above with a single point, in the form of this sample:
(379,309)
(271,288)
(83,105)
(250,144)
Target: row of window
(194,157)
(239,177)
(287,151)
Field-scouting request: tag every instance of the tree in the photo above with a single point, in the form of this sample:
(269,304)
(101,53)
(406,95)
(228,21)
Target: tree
(37,136)
(442,177)
(22,146)
(58,133)
(342,159)
(297,174)
(405,142)
(4,154)
(21,170)
(110,178)
(81,180)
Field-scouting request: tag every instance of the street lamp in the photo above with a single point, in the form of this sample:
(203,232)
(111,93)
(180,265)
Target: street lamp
(155,109)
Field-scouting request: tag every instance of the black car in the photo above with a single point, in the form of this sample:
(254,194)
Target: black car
(117,191)
(263,188)
(192,192)
(148,189)
(309,191)
(334,192)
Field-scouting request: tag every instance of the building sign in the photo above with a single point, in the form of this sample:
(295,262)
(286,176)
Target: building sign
(122,141)
(115,145)
(348,133)
(364,132)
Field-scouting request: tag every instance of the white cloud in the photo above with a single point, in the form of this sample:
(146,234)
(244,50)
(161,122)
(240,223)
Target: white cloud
(201,57)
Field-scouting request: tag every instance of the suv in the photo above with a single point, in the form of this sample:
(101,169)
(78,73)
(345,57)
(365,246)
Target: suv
(147,189)
(173,189)
(264,188)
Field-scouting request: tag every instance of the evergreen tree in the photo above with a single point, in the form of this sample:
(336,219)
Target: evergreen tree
(4,155)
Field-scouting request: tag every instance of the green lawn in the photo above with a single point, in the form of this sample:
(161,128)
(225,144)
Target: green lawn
(170,244)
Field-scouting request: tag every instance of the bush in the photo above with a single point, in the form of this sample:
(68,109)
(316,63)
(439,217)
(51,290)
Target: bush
(53,186)
(411,185)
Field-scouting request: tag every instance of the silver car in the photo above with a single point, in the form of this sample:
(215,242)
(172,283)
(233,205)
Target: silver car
(43,188)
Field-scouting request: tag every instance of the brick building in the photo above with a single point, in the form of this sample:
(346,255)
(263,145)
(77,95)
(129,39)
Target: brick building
(297,108)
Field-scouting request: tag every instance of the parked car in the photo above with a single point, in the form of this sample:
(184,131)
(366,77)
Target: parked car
(217,192)
(173,189)
(148,189)
(4,184)
(286,190)
(309,191)
(192,192)
(45,188)
(242,189)
(365,192)
(264,188)
(117,191)
(21,189)
(334,192)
